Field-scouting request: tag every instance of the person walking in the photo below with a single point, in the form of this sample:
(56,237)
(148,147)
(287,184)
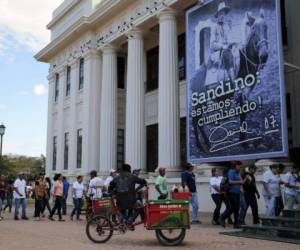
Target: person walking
(251,195)
(19,195)
(58,197)
(216,195)
(188,180)
(40,192)
(161,184)
(47,197)
(9,196)
(78,192)
(235,181)
(271,189)
(291,189)
(3,189)
(66,186)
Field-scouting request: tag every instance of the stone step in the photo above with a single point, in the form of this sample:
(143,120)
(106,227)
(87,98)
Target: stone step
(272,231)
(291,213)
(280,222)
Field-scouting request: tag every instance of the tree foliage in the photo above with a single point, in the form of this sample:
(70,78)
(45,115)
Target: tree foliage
(30,166)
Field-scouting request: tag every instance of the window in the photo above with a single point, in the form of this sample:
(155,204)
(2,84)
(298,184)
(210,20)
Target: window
(152,69)
(152,147)
(283,23)
(120,148)
(56,94)
(79,148)
(68,87)
(181,56)
(121,72)
(66,151)
(81,73)
(54,153)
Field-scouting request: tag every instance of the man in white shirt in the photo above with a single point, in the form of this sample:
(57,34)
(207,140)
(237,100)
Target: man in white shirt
(96,186)
(271,189)
(19,195)
(291,188)
(108,180)
(216,194)
(78,192)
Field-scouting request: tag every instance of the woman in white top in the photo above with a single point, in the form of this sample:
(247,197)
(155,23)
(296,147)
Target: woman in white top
(215,182)
(78,192)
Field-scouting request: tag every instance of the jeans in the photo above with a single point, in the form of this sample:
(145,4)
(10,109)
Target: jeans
(57,206)
(22,202)
(195,206)
(64,205)
(290,201)
(77,207)
(243,209)
(9,201)
(252,202)
(1,204)
(270,205)
(39,204)
(46,204)
(217,198)
(234,207)
(127,216)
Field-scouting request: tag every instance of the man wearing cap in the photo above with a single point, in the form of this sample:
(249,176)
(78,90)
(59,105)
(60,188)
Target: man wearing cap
(20,196)
(161,184)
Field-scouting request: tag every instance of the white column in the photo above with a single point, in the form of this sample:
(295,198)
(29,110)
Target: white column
(108,114)
(135,139)
(91,111)
(73,117)
(49,150)
(168,97)
(60,121)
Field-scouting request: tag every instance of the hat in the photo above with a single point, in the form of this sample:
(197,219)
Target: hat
(222,7)
(112,171)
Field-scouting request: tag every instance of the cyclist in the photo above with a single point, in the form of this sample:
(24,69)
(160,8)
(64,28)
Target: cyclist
(124,186)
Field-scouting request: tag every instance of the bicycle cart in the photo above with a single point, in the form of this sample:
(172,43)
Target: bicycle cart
(168,218)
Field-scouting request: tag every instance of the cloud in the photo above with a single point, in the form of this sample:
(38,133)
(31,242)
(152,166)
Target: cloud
(25,22)
(40,89)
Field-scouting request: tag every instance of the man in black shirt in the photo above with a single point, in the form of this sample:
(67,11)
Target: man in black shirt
(124,185)
(251,194)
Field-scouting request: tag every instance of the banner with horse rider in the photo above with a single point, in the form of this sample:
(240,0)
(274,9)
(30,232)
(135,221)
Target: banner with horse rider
(235,81)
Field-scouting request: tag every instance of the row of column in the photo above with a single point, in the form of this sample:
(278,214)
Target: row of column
(100,132)
(135,134)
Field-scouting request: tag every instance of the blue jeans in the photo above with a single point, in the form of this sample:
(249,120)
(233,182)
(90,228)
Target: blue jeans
(22,202)
(195,206)
(270,205)
(77,207)
(243,209)
(1,204)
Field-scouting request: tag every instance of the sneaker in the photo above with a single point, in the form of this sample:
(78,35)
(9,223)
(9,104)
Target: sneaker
(78,219)
(37,218)
(130,227)
(16,218)
(61,220)
(51,218)
(215,223)
(25,218)
(196,222)
(222,222)
(236,226)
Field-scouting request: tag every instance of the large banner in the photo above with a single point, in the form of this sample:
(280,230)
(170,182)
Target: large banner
(235,86)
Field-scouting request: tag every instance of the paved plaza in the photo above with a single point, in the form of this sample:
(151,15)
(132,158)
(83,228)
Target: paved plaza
(44,235)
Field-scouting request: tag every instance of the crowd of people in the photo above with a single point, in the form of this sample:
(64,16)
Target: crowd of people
(236,188)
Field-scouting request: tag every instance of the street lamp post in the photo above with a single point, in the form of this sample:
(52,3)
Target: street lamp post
(2,132)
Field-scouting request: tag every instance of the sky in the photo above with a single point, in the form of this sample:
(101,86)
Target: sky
(23,81)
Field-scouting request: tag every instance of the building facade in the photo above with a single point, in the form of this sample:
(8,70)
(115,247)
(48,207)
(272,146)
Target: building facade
(117,86)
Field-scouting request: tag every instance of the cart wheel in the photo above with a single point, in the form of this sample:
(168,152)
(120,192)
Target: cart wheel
(99,229)
(170,237)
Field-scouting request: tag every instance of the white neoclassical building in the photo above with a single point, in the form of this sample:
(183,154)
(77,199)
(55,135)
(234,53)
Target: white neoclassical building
(117,86)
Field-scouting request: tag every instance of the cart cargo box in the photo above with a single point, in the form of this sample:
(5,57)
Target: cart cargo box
(102,206)
(163,214)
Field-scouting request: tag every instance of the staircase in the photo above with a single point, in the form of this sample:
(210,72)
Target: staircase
(284,229)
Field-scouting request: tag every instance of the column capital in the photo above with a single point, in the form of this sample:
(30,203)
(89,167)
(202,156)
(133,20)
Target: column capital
(51,77)
(91,53)
(167,14)
(109,49)
(135,33)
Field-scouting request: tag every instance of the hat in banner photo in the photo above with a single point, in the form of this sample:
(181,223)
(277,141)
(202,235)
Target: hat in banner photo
(222,7)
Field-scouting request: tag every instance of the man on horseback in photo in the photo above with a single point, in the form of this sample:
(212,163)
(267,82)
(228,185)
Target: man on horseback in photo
(221,65)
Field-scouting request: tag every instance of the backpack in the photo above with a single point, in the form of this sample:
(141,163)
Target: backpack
(224,185)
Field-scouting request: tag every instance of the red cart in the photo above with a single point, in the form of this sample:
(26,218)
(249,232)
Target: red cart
(169,218)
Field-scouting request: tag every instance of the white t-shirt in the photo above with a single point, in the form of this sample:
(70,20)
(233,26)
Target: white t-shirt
(95,188)
(108,181)
(215,181)
(291,179)
(78,189)
(273,183)
(21,186)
